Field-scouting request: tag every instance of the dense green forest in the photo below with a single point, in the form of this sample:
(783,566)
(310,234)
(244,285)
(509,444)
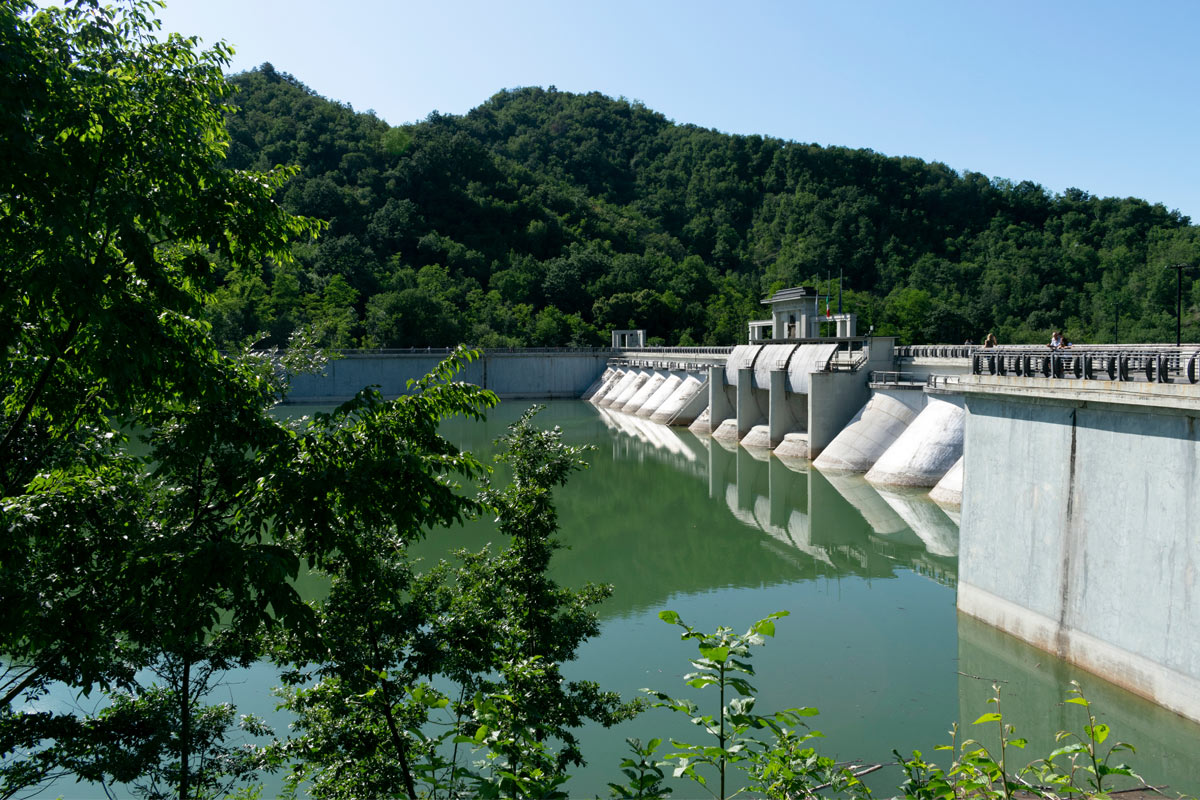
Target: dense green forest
(547,218)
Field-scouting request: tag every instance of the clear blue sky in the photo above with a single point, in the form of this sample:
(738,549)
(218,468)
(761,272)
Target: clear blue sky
(1096,94)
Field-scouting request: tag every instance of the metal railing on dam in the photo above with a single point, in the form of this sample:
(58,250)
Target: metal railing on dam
(1144,363)
(445,351)
(685,359)
(935,350)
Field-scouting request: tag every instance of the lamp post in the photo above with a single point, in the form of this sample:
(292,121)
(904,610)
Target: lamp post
(1179,268)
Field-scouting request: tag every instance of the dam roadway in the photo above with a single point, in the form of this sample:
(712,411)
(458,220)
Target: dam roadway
(1075,473)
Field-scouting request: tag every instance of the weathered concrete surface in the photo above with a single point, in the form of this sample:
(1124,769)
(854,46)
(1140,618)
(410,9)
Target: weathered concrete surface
(508,374)
(807,359)
(643,394)
(874,429)
(685,404)
(727,431)
(793,446)
(631,388)
(752,406)
(612,377)
(832,400)
(1080,528)
(948,492)
(722,404)
(666,388)
(702,424)
(927,448)
(742,356)
(774,357)
(758,438)
(619,388)
(598,384)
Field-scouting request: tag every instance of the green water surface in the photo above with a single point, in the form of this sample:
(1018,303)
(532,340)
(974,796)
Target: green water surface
(725,537)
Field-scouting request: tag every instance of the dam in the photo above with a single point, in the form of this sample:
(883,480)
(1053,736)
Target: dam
(1073,474)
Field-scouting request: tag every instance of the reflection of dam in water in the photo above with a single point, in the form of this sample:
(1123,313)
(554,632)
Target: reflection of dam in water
(1033,688)
(838,524)
(837,520)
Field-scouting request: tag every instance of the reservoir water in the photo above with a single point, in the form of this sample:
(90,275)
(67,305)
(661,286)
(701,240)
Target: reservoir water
(873,640)
(726,537)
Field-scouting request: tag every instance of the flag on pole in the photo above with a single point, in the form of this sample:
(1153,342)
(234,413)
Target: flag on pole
(828,313)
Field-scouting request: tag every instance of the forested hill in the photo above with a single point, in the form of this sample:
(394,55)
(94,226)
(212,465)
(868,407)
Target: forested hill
(547,218)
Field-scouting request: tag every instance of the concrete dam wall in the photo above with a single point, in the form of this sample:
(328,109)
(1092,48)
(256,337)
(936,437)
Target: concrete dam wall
(798,400)
(529,373)
(1081,528)
(1078,499)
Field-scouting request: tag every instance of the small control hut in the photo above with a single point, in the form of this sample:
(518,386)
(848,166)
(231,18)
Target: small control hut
(796,314)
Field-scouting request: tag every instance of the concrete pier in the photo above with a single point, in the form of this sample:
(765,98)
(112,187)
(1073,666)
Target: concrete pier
(721,405)
(666,387)
(948,491)
(623,394)
(627,378)
(685,404)
(874,429)
(648,388)
(927,448)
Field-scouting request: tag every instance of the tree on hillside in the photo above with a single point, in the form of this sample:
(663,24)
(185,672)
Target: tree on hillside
(562,203)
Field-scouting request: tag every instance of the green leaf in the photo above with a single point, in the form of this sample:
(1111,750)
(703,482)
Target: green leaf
(765,627)
(991,716)
(1074,747)
(669,617)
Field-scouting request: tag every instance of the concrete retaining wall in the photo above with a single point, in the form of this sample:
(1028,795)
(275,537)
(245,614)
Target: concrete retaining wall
(1079,534)
(510,375)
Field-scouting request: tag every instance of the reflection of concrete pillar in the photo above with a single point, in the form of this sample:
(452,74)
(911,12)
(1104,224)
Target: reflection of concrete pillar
(719,461)
(719,409)
(833,520)
(747,409)
(781,480)
(779,418)
(747,466)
